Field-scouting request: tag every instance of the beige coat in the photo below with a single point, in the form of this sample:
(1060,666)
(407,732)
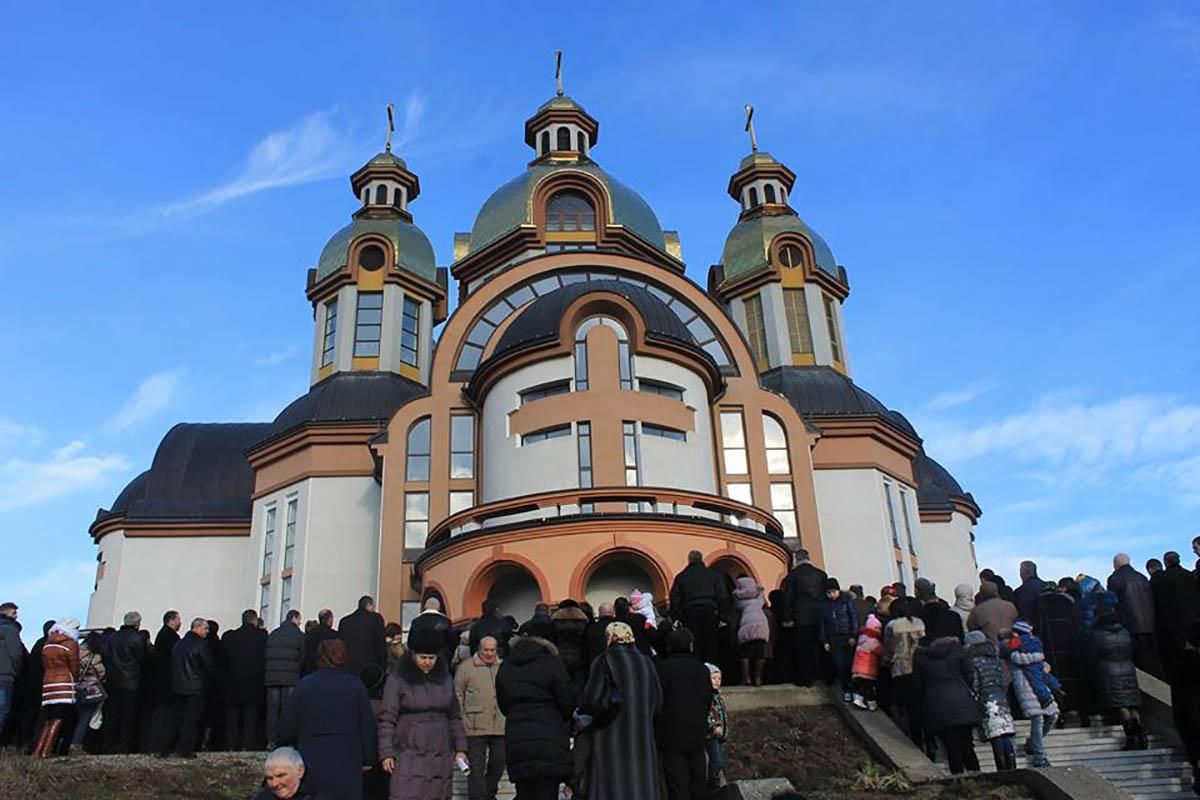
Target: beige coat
(993,616)
(475,686)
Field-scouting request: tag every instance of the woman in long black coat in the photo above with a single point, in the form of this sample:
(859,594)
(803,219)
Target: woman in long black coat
(942,675)
(1114,677)
(328,718)
(534,692)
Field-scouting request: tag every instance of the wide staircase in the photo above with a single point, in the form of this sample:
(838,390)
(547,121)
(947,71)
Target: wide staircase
(506,792)
(1160,773)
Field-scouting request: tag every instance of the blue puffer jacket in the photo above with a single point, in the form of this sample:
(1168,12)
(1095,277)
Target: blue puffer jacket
(839,619)
(1026,652)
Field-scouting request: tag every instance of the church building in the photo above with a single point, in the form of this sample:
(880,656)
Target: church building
(586,417)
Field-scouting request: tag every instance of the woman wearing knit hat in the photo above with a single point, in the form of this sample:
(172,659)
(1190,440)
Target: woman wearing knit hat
(421,732)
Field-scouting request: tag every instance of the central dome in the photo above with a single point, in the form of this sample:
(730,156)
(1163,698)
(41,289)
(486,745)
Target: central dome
(511,206)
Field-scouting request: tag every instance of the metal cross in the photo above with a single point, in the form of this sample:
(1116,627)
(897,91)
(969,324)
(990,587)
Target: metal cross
(391,128)
(750,128)
(558,71)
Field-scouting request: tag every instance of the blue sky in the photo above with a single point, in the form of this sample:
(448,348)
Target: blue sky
(1011,186)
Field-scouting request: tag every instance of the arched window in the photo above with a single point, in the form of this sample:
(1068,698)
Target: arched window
(624,356)
(581,142)
(545,142)
(753,194)
(371,257)
(570,211)
(398,197)
(777,446)
(381,195)
(564,138)
(790,256)
(769,193)
(417,450)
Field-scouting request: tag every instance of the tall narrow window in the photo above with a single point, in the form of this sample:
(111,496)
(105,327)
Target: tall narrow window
(461,501)
(630,445)
(545,142)
(264,600)
(912,543)
(733,442)
(368,322)
(783,506)
(756,330)
(891,512)
(289,533)
(831,321)
(410,331)
(268,540)
(581,365)
(417,467)
(462,446)
(416,519)
(564,138)
(570,211)
(398,197)
(330,333)
(799,331)
(285,598)
(583,432)
(580,142)
(381,195)
(753,193)
(769,193)
(777,446)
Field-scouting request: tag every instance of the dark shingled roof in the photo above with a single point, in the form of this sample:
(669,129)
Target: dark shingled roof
(199,472)
(540,321)
(936,487)
(823,391)
(347,397)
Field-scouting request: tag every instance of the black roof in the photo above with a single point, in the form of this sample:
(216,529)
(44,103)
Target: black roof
(936,487)
(199,472)
(823,391)
(540,321)
(347,397)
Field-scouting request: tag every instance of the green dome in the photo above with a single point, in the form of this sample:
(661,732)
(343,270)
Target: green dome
(748,247)
(388,158)
(414,253)
(511,206)
(757,157)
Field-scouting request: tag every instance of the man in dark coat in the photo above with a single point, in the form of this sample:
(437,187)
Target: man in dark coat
(124,664)
(534,693)
(804,597)
(1059,632)
(698,596)
(1025,596)
(162,727)
(570,629)
(539,624)
(1135,610)
(682,724)
(12,661)
(1176,604)
(245,692)
(366,645)
(283,661)
(431,618)
(490,624)
(191,675)
(312,639)
(595,635)
(328,718)
(940,620)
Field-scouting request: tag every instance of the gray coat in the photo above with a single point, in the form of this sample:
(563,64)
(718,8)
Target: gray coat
(991,691)
(420,726)
(284,656)
(624,753)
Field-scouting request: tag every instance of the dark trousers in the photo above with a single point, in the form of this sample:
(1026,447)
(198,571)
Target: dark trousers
(959,747)
(1002,751)
(702,622)
(276,697)
(241,726)
(685,775)
(544,789)
(807,654)
(486,757)
(184,721)
(842,653)
(121,721)
(1145,655)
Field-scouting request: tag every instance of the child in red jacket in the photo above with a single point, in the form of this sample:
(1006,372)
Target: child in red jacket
(867,656)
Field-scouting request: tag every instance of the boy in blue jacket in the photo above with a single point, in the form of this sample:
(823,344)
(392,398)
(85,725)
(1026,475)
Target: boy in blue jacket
(839,633)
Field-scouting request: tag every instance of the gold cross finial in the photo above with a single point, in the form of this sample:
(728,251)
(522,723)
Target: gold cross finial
(558,71)
(391,128)
(750,128)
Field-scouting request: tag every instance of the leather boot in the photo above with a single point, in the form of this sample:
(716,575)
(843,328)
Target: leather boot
(1130,735)
(48,738)
(760,667)
(1142,740)
(745,665)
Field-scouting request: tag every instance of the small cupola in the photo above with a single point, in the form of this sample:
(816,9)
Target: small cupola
(761,184)
(383,185)
(560,129)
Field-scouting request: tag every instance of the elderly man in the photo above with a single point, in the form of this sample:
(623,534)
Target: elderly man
(1176,604)
(1135,609)
(475,687)
(126,657)
(283,774)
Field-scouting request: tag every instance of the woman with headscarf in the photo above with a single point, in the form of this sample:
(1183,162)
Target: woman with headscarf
(60,673)
(421,732)
(964,603)
(622,697)
(328,718)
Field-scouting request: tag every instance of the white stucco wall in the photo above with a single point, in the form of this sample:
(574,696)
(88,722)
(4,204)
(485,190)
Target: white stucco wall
(199,576)
(855,536)
(679,465)
(945,554)
(510,470)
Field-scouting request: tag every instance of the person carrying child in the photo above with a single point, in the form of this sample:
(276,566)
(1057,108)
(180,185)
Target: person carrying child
(718,731)
(868,654)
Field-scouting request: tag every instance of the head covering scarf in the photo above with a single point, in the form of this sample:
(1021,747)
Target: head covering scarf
(620,631)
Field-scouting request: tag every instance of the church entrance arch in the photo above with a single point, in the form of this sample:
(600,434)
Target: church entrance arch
(617,573)
(512,586)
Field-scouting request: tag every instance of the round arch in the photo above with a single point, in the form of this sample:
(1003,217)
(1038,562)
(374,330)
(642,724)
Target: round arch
(640,557)
(731,563)
(505,571)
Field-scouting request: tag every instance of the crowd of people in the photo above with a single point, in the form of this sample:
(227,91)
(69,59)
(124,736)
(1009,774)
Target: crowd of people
(621,701)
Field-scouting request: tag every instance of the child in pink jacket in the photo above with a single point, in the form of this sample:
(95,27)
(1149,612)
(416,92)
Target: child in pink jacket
(867,657)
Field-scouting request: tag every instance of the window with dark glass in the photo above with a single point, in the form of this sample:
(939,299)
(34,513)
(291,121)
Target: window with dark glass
(799,332)
(289,533)
(659,387)
(398,197)
(545,390)
(583,433)
(462,446)
(630,445)
(581,142)
(570,211)
(662,432)
(410,326)
(368,322)
(381,195)
(753,194)
(564,138)
(545,142)
(769,193)
(268,540)
(831,322)
(285,598)
(556,432)
(417,451)
(330,333)
(371,257)
(790,256)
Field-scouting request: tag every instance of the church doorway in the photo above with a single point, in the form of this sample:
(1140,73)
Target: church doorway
(515,591)
(618,574)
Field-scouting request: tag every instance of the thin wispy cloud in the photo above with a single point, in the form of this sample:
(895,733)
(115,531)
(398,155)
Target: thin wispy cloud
(953,399)
(64,471)
(1086,545)
(152,395)
(11,432)
(278,357)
